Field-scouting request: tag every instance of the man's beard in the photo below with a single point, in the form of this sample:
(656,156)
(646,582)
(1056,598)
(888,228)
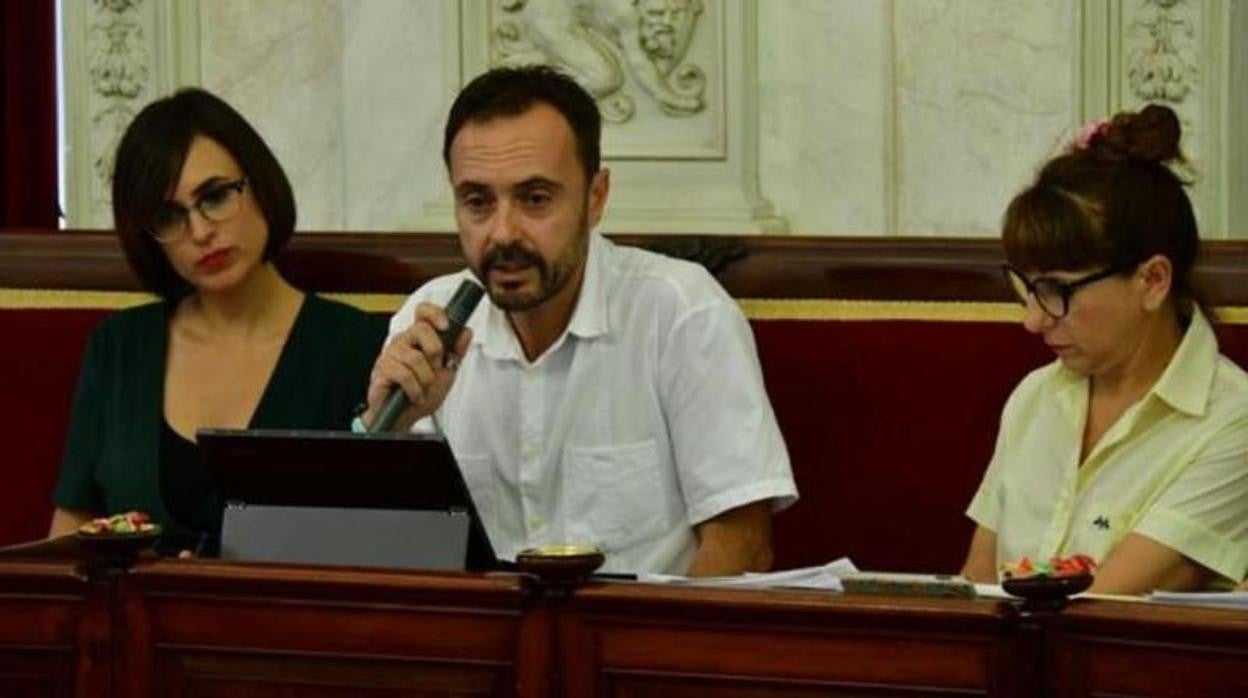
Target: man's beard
(551,277)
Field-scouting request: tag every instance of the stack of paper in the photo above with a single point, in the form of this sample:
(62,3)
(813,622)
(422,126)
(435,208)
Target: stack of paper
(991,591)
(826,577)
(1220,599)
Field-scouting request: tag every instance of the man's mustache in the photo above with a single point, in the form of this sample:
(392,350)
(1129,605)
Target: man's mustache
(511,255)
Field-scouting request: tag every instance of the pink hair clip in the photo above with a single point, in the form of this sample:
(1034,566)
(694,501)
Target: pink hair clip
(1089,132)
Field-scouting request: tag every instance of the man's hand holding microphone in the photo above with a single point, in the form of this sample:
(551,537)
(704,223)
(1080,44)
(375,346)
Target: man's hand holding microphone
(417,367)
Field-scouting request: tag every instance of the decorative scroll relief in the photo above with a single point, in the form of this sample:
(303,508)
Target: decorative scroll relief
(1174,52)
(117,55)
(598,42)
(1161,45)
(1162,68)
(119,70)
(643,60)
(667,75)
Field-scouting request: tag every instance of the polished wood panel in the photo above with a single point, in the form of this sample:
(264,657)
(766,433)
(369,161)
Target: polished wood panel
(1146,650)
(208,629)
(53,639)
(634,640)
(749,267)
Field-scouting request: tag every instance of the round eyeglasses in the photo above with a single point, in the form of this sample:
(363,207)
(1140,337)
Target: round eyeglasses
(1053,296)
(217,203)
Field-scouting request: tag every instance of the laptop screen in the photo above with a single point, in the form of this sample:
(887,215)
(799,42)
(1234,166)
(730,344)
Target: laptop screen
(344,470)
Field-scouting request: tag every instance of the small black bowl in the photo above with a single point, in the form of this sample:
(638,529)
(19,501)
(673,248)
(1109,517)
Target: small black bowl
(1045,593)
(115,550)
(560,564)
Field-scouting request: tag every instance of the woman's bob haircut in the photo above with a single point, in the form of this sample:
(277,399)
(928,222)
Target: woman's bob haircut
(149,161)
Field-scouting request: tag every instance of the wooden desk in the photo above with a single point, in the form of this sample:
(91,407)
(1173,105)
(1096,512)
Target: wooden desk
(214,629)
(1136,649)
(641,640)
(54,634)
(207,628)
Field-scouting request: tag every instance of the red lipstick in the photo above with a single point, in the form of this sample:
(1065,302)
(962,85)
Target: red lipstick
(214,261)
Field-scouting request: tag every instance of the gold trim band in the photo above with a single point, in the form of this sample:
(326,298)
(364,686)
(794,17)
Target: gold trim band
(861,310)
(758,309)
(57,299)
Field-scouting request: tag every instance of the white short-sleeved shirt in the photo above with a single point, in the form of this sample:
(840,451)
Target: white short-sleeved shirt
(1174,467)
(646,417)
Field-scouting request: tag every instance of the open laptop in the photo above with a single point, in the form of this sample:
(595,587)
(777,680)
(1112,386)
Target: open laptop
(330,497)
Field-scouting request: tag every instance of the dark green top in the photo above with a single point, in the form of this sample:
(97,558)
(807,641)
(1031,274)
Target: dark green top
(191,492)
(113,456)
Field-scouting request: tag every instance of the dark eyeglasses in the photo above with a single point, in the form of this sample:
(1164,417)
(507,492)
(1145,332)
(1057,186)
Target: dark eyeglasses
(1051,295)
(218,204)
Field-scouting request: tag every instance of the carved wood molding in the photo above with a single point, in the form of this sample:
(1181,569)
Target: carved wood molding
(873,268)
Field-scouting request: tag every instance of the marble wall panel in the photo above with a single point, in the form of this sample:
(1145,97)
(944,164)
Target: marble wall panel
(825,114)
(1237,126)
(280,64)
(395,98)
(986,91)
(908,117)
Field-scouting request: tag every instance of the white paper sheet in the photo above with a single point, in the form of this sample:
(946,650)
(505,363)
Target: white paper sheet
(1219,599)
(991,591)
(826,577)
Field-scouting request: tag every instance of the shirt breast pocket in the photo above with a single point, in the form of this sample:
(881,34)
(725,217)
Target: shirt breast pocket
(616,496)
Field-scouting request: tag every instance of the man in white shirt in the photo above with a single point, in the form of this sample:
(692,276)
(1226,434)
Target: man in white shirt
(605,395)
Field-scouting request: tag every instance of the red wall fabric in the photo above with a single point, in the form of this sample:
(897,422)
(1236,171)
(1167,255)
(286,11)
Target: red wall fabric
(889,426)
(38,369)
(28,161)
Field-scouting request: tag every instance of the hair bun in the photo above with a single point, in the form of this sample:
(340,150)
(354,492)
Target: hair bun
(1151,135)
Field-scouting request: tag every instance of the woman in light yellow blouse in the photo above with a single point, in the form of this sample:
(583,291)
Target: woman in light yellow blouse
(1131,447)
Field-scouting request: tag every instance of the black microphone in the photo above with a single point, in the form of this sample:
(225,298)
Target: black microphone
(458,310)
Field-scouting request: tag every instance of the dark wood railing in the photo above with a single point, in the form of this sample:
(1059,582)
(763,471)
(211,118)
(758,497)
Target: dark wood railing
(749,267)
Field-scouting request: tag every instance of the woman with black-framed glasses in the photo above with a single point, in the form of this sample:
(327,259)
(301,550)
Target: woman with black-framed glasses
(202,209)
(1132,447)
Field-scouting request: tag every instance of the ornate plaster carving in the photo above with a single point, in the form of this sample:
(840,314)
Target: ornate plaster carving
(1162,69)
(677,81)
(118,64)
(603,42)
